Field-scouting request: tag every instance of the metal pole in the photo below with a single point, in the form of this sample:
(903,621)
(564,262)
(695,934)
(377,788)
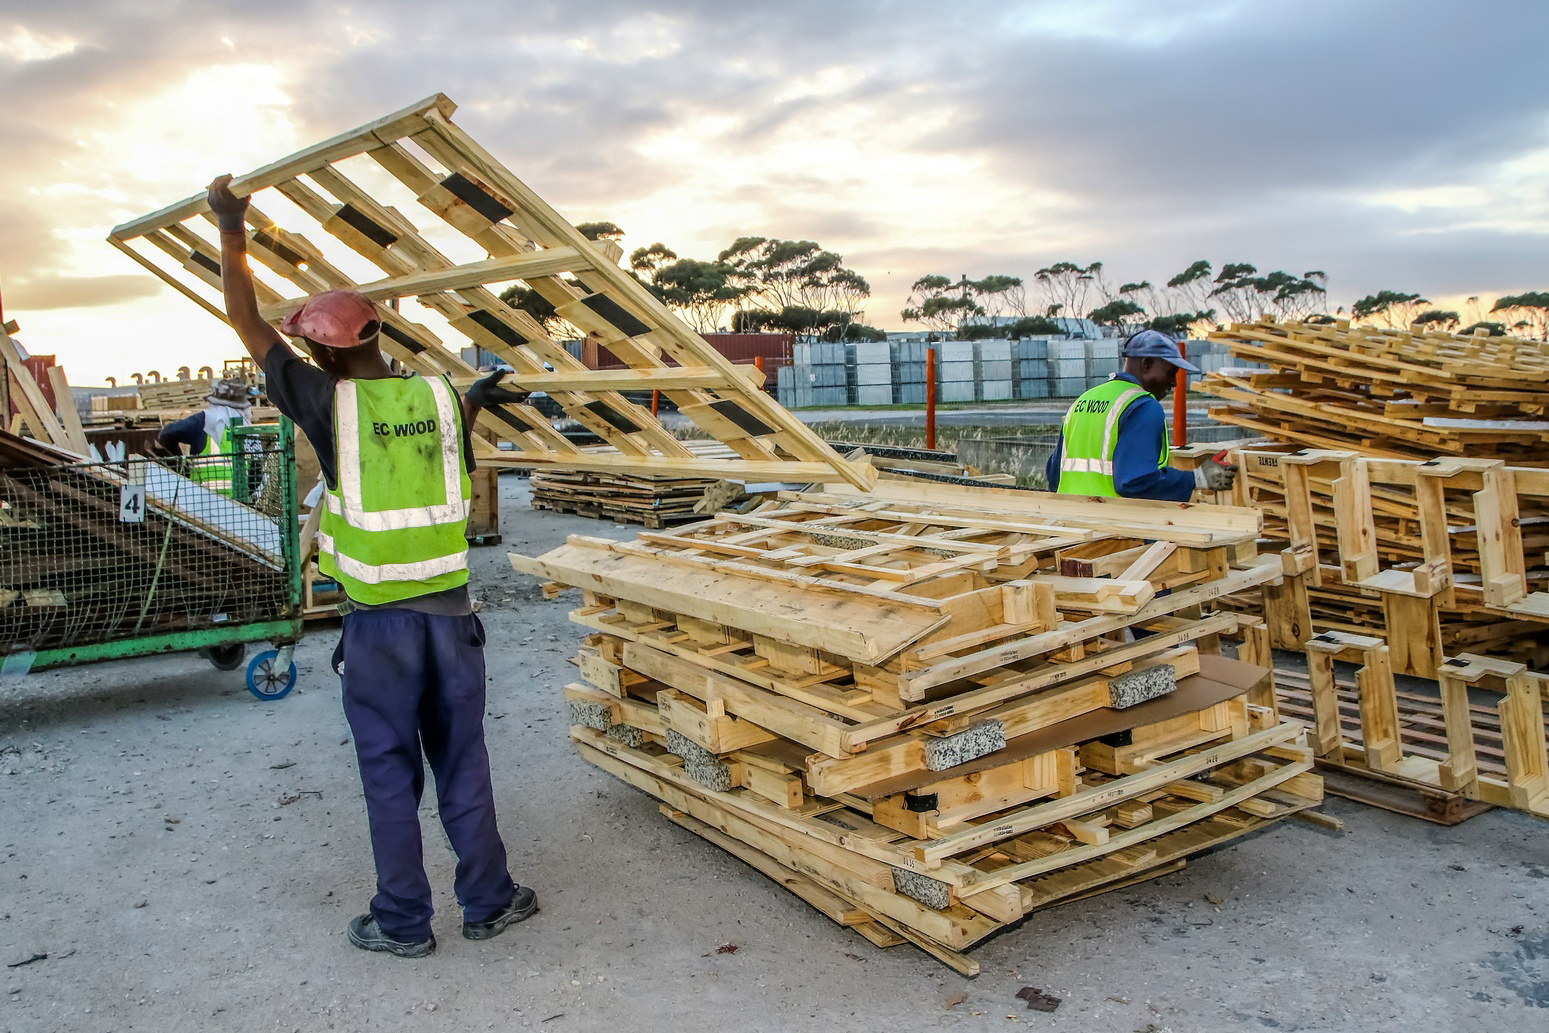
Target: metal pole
(656,398)
(930,398)
(1181,403)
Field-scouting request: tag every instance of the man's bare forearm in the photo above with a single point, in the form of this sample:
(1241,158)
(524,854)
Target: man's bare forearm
(256,335)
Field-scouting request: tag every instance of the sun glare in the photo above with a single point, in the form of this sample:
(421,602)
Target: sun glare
(20,44)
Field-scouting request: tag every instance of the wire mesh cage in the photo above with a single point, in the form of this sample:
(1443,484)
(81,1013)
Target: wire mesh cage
(95,553)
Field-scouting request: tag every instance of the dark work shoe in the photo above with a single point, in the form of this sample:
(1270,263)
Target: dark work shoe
(368,936)
(522,906)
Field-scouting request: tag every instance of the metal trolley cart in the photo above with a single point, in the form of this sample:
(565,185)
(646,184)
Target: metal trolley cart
(138,556)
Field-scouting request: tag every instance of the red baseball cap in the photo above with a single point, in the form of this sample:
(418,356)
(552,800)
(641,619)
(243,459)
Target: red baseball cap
(334,318)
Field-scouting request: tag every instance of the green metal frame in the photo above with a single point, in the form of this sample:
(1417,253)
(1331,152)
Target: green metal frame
(283,631)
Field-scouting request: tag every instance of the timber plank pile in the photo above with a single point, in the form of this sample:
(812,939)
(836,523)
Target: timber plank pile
(1387,393)
(926,710)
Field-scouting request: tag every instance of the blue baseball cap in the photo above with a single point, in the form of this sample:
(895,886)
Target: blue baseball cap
(1153,344)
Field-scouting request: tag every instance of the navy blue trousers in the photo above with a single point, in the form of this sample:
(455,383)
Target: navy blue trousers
(414,691)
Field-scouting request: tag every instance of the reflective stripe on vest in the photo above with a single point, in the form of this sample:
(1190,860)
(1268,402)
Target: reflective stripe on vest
(376,573)
(213,465)
(347,503)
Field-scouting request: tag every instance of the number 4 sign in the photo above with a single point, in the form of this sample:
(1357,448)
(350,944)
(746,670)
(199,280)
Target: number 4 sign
(131,500)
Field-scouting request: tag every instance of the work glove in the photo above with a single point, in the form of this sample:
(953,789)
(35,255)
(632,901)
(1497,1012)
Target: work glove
(229,209)
(1214,476)
(487,392)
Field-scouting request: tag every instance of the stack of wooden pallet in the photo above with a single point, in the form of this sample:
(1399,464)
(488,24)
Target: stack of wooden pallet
(652,500)
(1387,393)
(657,500)
(1439,558)
(932,711)
(175,395)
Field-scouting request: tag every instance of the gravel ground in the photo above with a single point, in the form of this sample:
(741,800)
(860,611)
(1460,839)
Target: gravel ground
(187,857)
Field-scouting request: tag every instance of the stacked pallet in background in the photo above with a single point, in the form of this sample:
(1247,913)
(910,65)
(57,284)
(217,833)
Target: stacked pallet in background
(654,501)
(658,500)
(930,711)
(1387,393)
(1426,416)
(1407,568)
(1439,557)
(174,395)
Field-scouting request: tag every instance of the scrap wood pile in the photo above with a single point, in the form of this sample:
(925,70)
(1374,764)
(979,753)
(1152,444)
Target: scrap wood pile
(1387,393)
(1439,557)
(74,572)
(34,415)
(932,711)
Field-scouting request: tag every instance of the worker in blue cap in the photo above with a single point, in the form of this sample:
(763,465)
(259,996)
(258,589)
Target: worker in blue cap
(1114,438)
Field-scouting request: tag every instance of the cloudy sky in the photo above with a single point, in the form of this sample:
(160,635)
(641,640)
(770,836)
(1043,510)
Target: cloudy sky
(1397,144)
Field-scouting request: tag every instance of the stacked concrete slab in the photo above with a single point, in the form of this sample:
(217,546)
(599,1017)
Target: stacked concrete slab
(1030,368)
(909,371)
(992,370)
(818,375)
(873,376)
(955,372)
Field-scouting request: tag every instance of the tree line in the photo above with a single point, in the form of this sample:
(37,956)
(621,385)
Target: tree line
(1197,299)
(800,287)
(752,285)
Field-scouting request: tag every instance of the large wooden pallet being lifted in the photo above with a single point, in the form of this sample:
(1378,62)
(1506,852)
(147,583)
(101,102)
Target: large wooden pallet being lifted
(479,229)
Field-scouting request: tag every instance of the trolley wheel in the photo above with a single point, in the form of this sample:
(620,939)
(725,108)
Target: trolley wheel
(227,657)
(265,680)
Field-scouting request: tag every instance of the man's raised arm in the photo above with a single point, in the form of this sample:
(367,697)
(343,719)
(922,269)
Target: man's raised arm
(236,278)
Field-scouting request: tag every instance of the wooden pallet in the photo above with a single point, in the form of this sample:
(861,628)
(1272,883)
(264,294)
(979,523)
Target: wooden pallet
(1000,883)
(1385,393)
(1450,551)
(322,210)
(1478,734)
(922,710)
(175,394)
(655,502)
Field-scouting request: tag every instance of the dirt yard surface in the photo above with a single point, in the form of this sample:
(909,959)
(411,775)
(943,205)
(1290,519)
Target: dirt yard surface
(176,855)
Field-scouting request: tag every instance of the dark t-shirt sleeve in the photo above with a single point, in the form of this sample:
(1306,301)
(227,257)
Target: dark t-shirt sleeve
(305,394)
(187,431)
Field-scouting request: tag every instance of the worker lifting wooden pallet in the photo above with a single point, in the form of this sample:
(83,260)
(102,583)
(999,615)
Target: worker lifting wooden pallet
(931,711)
(339,218)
